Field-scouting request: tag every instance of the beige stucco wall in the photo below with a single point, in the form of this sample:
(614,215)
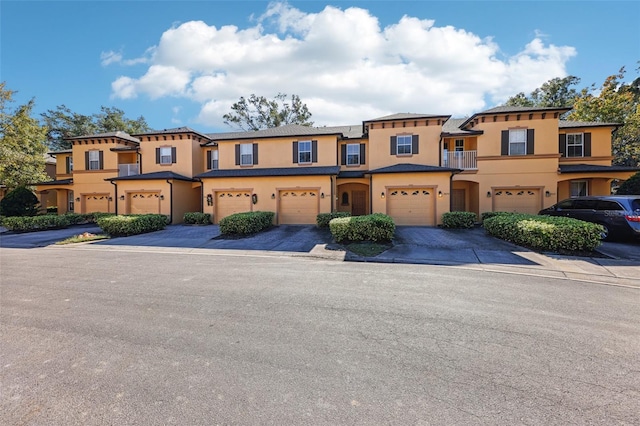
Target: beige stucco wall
(367,153)
(189,161)
(600,144)
(379,144)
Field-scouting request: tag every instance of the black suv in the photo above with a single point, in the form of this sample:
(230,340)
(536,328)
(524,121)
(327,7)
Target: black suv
(619,214)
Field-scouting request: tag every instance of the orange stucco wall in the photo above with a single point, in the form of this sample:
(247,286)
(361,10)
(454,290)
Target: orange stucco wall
(189,153)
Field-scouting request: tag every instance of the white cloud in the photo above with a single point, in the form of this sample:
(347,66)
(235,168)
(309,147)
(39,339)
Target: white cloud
(110,57)
(341,63)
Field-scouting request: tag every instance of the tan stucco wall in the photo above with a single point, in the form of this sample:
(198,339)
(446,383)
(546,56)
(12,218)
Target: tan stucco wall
(600,143)
(349,188)
(189,161)
(264,187)
(367,153)
(379,144)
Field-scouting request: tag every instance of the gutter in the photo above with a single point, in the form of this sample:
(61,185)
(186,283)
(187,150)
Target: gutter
(139,162)
(170,200)
(116,197)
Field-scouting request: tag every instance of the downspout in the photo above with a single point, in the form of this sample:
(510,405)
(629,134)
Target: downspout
(201,195)
(139,162)
(332,200)
(116,197)
(440,153)
(170,200)
(370,193)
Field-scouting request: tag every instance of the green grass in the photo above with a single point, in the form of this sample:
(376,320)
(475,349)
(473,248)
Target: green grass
(368,248)
(82,238)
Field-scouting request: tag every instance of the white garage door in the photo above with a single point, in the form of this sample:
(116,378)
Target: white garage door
(144,203)
(231,202)
(516,200)
(412,206)
(96,203)
(298,207)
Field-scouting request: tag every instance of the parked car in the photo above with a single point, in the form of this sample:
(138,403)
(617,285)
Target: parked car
(619,214)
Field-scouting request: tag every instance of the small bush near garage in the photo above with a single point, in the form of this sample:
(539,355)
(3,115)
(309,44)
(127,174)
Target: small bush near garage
(246,223)
(630,186)
(549,233)
(196,218)
(323,219)
(35,223)
(78,218)
(19,202)
(120,226)
(374,227)
(487,215)
(458,219)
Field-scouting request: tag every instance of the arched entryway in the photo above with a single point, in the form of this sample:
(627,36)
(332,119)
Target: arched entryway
(353,198)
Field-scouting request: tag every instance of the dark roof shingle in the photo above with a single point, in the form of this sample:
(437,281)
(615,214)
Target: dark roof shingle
(285,171)
(413,168)
(153,176)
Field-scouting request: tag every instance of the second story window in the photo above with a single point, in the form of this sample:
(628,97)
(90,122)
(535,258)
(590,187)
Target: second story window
(575,146)
(404,144)
(93,160)
(517,142)
(69,164)
(246,154)
(166,155)
(214,160)
(353,154)
(304,152)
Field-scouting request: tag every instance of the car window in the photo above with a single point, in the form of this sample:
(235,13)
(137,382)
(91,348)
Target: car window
(566,204)
(608,205)
(635,204)
(585,204)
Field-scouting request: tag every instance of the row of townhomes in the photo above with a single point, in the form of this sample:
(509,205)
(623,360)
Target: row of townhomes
(413,167)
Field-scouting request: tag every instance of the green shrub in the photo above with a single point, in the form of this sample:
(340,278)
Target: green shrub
(373,227)
(77,218)
(19,202)
(246,223)
(197,218)
(52,210)
(487,215)
(118,226)
(458,219)
(545,232)
(323,219)
(35,223)
(630,186)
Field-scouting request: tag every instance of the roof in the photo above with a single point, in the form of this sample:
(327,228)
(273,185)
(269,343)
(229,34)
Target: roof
(289,130)
(351,174)
(505,109)
(153,176)
(56,182)
(173,131)
(285,171)
(566,124)
(118,134)
(407,116)
(414,168)
(62,151)
(452,127)
(353,131)
(594,168)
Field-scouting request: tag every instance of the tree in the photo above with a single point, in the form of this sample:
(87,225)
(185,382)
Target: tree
(258,112)
(22,144)
(64,123)
(19,202)
(630,186)
(614,102)
(556,92)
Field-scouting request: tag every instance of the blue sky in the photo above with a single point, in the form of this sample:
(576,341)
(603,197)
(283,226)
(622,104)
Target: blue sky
(185,63)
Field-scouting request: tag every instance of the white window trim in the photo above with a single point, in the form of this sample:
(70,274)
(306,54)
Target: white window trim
(512,133)
(586,187)
(353,155)
(71,163)
(304,151)
(164,157)
(94,163)
(459,147)
(403,138)
(214,160)
(246,154)
(581,145)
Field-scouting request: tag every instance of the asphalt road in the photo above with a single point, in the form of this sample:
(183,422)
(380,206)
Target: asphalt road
(92,337)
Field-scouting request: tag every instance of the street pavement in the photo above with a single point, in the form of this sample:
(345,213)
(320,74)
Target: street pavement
(119,335)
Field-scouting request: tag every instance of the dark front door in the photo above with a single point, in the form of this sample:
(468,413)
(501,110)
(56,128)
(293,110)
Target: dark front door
(359,203)
(457,200)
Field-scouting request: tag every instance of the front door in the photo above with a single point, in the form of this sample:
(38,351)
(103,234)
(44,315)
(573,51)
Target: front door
(359,206)
(457,200)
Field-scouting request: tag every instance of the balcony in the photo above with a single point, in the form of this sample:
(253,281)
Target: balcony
(128,169)
(465,160)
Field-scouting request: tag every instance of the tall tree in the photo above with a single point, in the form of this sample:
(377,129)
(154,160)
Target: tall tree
(64,123)
(556,92)
(22,143)
(614,102)
(258,112)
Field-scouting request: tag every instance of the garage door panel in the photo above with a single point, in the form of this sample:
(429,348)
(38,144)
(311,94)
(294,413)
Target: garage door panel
(298,207)
(144,203)
(96,203)
(412,206)
(232,202)
(517,200)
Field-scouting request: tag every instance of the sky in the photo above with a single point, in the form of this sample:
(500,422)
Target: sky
(184,63)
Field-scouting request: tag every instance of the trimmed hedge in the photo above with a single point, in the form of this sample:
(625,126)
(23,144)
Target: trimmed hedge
(35,223)
(487,215)
(545,232)
(77,218)
(118,226)
(458,219)
(246,223)
(373,227)
(323,219)
(196,218)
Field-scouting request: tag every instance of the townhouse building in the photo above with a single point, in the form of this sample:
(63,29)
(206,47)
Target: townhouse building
(414,167)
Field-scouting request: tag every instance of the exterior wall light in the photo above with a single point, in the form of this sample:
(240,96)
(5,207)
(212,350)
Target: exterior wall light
(382,195)
(78,199)
(122,197)
(209,200)
(488,194)
(110,198)
(161,197)
(439,194)
(273,196)
(322,195)
(254,198)
(547,193)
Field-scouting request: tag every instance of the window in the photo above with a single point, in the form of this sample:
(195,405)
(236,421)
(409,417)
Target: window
(575,145)
(579,188)
(69,163)
(345,199)
(165,155)
(70,200)
(459,145)
(404,144)
(94,160)
(214,160)
(353,154)
(304,152)
(517,142)
(246,154)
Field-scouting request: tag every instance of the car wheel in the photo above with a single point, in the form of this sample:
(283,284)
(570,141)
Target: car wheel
(606,234)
